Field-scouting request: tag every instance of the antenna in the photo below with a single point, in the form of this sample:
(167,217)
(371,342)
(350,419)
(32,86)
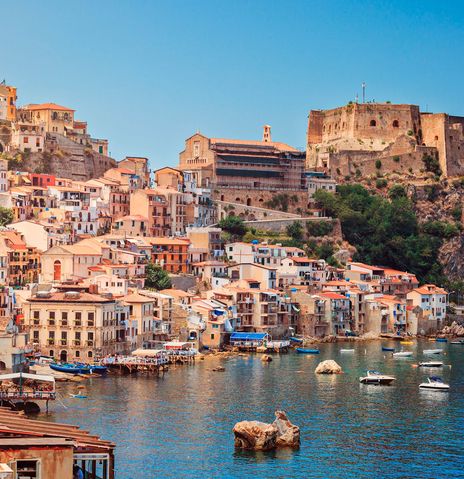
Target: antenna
(363,84)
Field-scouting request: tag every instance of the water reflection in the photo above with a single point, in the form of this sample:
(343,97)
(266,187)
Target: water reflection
(181,425)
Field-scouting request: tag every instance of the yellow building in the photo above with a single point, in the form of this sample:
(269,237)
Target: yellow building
(140,318)
(73,325)
(8,93)
(55,118)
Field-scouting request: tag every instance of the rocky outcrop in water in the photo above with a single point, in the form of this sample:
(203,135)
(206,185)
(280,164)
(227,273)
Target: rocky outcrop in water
(261,436)
(454,329)
(328,367)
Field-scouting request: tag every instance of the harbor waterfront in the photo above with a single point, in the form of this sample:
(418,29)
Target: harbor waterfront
(180,424)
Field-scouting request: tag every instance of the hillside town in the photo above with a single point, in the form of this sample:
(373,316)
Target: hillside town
(77,256)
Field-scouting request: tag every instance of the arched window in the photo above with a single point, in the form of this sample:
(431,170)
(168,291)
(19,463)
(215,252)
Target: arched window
(436,137)
(90,354)
(222,197)
(373,123)
(57,270)
(248,202)
(396,124)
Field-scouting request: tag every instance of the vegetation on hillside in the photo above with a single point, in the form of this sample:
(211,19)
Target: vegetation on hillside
(6,216)
(386,232)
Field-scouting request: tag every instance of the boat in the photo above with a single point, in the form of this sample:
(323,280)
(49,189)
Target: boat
(70,368)
(347,350)
(435,383)
(460,341)
(441,340)
(78,396)
(307,351)
(391,350)
(97,369)
(402,354)
(296,340)
(374,377)
(406,342)
(431,364)
(432,351)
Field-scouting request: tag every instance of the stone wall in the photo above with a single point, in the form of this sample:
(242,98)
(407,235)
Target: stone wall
(250,213)
(279,225)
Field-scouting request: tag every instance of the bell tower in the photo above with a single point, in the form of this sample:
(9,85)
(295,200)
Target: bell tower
(267,134)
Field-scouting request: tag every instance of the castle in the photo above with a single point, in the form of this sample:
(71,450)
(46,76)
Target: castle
(353,138)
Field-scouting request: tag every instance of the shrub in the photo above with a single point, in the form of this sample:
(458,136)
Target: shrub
(441,229)
(319,228)
(381,183)
(397,191)
(431,164)
(358,172)
(378,164)
(456,212)
(396,159)
(410,133)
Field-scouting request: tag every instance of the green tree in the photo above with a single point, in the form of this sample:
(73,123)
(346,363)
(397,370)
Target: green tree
(295,231)
(6,216)
(157,278)
(233,225)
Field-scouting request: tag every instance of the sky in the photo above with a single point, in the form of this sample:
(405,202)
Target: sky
(149,74)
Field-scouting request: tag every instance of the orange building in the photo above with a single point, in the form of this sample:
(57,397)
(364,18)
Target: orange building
(171,254)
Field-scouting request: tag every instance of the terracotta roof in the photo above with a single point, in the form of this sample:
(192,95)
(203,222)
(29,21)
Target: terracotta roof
(331,295)
(62,297)
(177,293)
(429,289)
(210,263)
(137,298)
(167,241)
(47,106)
(276,144)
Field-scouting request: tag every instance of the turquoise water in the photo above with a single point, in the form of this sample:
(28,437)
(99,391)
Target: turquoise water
(180,426)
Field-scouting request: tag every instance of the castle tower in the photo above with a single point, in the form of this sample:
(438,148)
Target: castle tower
(267,134)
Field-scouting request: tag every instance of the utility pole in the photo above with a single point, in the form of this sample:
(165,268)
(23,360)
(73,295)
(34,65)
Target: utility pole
(363,85)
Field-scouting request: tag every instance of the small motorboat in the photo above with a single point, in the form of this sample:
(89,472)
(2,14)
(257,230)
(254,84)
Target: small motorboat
(97,369)
(391,350)
(296,340)
(307,351)
(374,377)
(432,351)
(70,368)
(435,383)
(460,341)
(347,350)
(402,354)
(441,340)
(406,342)
(431,364)
(78,396)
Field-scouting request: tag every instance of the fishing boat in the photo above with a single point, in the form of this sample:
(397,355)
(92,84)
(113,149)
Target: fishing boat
(406,342)
(402,354)
(307,351)
(460,341)
(434,383)
(441,340)
(431,364)
(374,377)
(78,396)
(347,350)
(432,351)
(70,368)
(391,350)
(296,340)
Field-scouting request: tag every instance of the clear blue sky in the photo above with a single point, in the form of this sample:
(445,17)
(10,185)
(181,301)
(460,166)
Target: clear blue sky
(148,74)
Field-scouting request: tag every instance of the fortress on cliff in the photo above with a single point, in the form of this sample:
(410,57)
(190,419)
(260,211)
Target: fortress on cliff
(351,140)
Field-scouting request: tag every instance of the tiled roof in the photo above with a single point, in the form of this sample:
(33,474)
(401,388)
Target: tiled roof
(47,106)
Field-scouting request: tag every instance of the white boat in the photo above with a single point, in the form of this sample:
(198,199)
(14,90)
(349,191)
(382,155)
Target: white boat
(402,354)
(432,351)
(460,341)
(431,364)
(435,383)
(374,377)
(347,350)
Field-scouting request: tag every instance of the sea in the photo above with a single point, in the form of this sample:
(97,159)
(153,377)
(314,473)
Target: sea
(180,425)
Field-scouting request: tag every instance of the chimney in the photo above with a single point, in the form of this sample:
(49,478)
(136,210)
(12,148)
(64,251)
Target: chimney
(267,134)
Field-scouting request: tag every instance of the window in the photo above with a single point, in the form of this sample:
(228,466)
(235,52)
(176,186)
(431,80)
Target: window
(26,139)
(396,124)
(28,469)
(212,336)
(90,354)
(78,316)
(373,123)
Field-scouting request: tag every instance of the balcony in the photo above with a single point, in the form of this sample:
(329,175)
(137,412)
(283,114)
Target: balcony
(51,341)
(51,322)
(63,342)
(89,342)
(77,342)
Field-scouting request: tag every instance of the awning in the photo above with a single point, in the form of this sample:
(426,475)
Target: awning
(248,336)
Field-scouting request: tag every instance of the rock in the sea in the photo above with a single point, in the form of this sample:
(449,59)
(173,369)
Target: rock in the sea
(328,367)
(220,369)
(255,435)
(265,358)
(288,433)
(260,436)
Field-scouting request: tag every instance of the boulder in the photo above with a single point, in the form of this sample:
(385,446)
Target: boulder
(255,435)
(328,367)
(219,369)
(265,358)
(260,436)
(288,433)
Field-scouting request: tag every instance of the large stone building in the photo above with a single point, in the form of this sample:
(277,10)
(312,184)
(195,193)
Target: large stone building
(350,139)
(244,171)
